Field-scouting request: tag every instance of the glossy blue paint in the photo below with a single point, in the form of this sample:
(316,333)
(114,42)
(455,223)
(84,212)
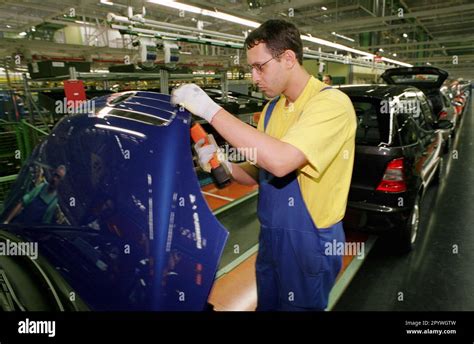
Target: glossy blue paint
(140,235)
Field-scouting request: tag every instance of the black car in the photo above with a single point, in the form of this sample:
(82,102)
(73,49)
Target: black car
(398,155)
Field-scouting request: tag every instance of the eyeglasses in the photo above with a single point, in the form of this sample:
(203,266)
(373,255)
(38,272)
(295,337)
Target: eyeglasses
(259,67)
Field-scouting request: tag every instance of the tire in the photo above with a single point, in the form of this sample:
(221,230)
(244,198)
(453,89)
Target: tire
(409,234)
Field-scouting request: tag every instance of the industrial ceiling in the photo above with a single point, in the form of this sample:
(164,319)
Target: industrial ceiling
(436,32)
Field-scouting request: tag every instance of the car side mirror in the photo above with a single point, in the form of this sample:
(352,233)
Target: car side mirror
(444,124)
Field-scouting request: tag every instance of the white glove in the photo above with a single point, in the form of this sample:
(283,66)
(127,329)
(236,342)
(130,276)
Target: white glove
(206,153)
(195,100)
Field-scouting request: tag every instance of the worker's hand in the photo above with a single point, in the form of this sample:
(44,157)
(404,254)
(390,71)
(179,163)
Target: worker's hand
(207,152)
(195,100)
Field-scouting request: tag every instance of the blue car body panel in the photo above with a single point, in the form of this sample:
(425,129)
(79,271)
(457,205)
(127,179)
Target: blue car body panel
(140,235)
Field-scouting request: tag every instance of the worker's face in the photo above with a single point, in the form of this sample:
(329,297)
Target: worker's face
(326,80)
(269,73)
(56,178)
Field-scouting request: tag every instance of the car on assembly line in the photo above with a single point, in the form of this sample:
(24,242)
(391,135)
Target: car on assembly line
(398,156)
(128,227)
(429,80)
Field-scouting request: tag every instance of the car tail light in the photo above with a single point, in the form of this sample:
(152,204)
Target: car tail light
(393,179)
(443,114)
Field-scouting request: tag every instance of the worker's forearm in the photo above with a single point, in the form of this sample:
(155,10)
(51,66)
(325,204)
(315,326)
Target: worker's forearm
(241,176)
(18,208)
(270,153)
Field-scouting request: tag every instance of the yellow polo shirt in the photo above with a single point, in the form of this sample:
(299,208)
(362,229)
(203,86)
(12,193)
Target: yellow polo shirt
(322,125)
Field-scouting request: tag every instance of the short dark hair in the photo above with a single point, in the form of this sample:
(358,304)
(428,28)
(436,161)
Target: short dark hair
(328,75)
(278,35)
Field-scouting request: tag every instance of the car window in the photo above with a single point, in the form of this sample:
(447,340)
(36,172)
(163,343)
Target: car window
(407,129)
(372,126)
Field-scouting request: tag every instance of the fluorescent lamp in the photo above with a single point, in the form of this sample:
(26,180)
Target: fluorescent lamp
(83,22)
(105,2)
(342,36)
(334,45)
(214,14)
(324,8)
(177,5)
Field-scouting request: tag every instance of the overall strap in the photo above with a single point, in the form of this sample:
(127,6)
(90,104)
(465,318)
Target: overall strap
(269,111)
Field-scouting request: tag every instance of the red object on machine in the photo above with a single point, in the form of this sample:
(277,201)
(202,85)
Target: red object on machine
(74,91)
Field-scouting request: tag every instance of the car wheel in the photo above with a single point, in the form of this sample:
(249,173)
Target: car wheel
(409,233)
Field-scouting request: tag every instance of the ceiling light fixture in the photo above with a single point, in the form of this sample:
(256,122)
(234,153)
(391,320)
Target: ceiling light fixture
(234,19)
(343,37)
(214,14)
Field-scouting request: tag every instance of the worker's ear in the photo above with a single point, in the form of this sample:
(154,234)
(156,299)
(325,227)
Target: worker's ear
(289,57)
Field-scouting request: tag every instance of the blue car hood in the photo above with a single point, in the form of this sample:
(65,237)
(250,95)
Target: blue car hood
(139,234)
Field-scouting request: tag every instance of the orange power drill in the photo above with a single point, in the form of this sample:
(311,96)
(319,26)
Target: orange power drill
(218,172)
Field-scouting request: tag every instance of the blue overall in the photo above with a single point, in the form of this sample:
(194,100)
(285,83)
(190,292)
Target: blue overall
(35,212)
(293,272)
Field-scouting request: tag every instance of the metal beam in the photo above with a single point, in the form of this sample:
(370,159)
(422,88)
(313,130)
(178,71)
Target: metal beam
(448,59)
(331,11)
(376,28)
(460,47)
(457,39)
(377,20)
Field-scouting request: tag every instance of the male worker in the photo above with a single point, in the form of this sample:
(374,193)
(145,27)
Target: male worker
(327,79)
(39,205)
(305,151)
